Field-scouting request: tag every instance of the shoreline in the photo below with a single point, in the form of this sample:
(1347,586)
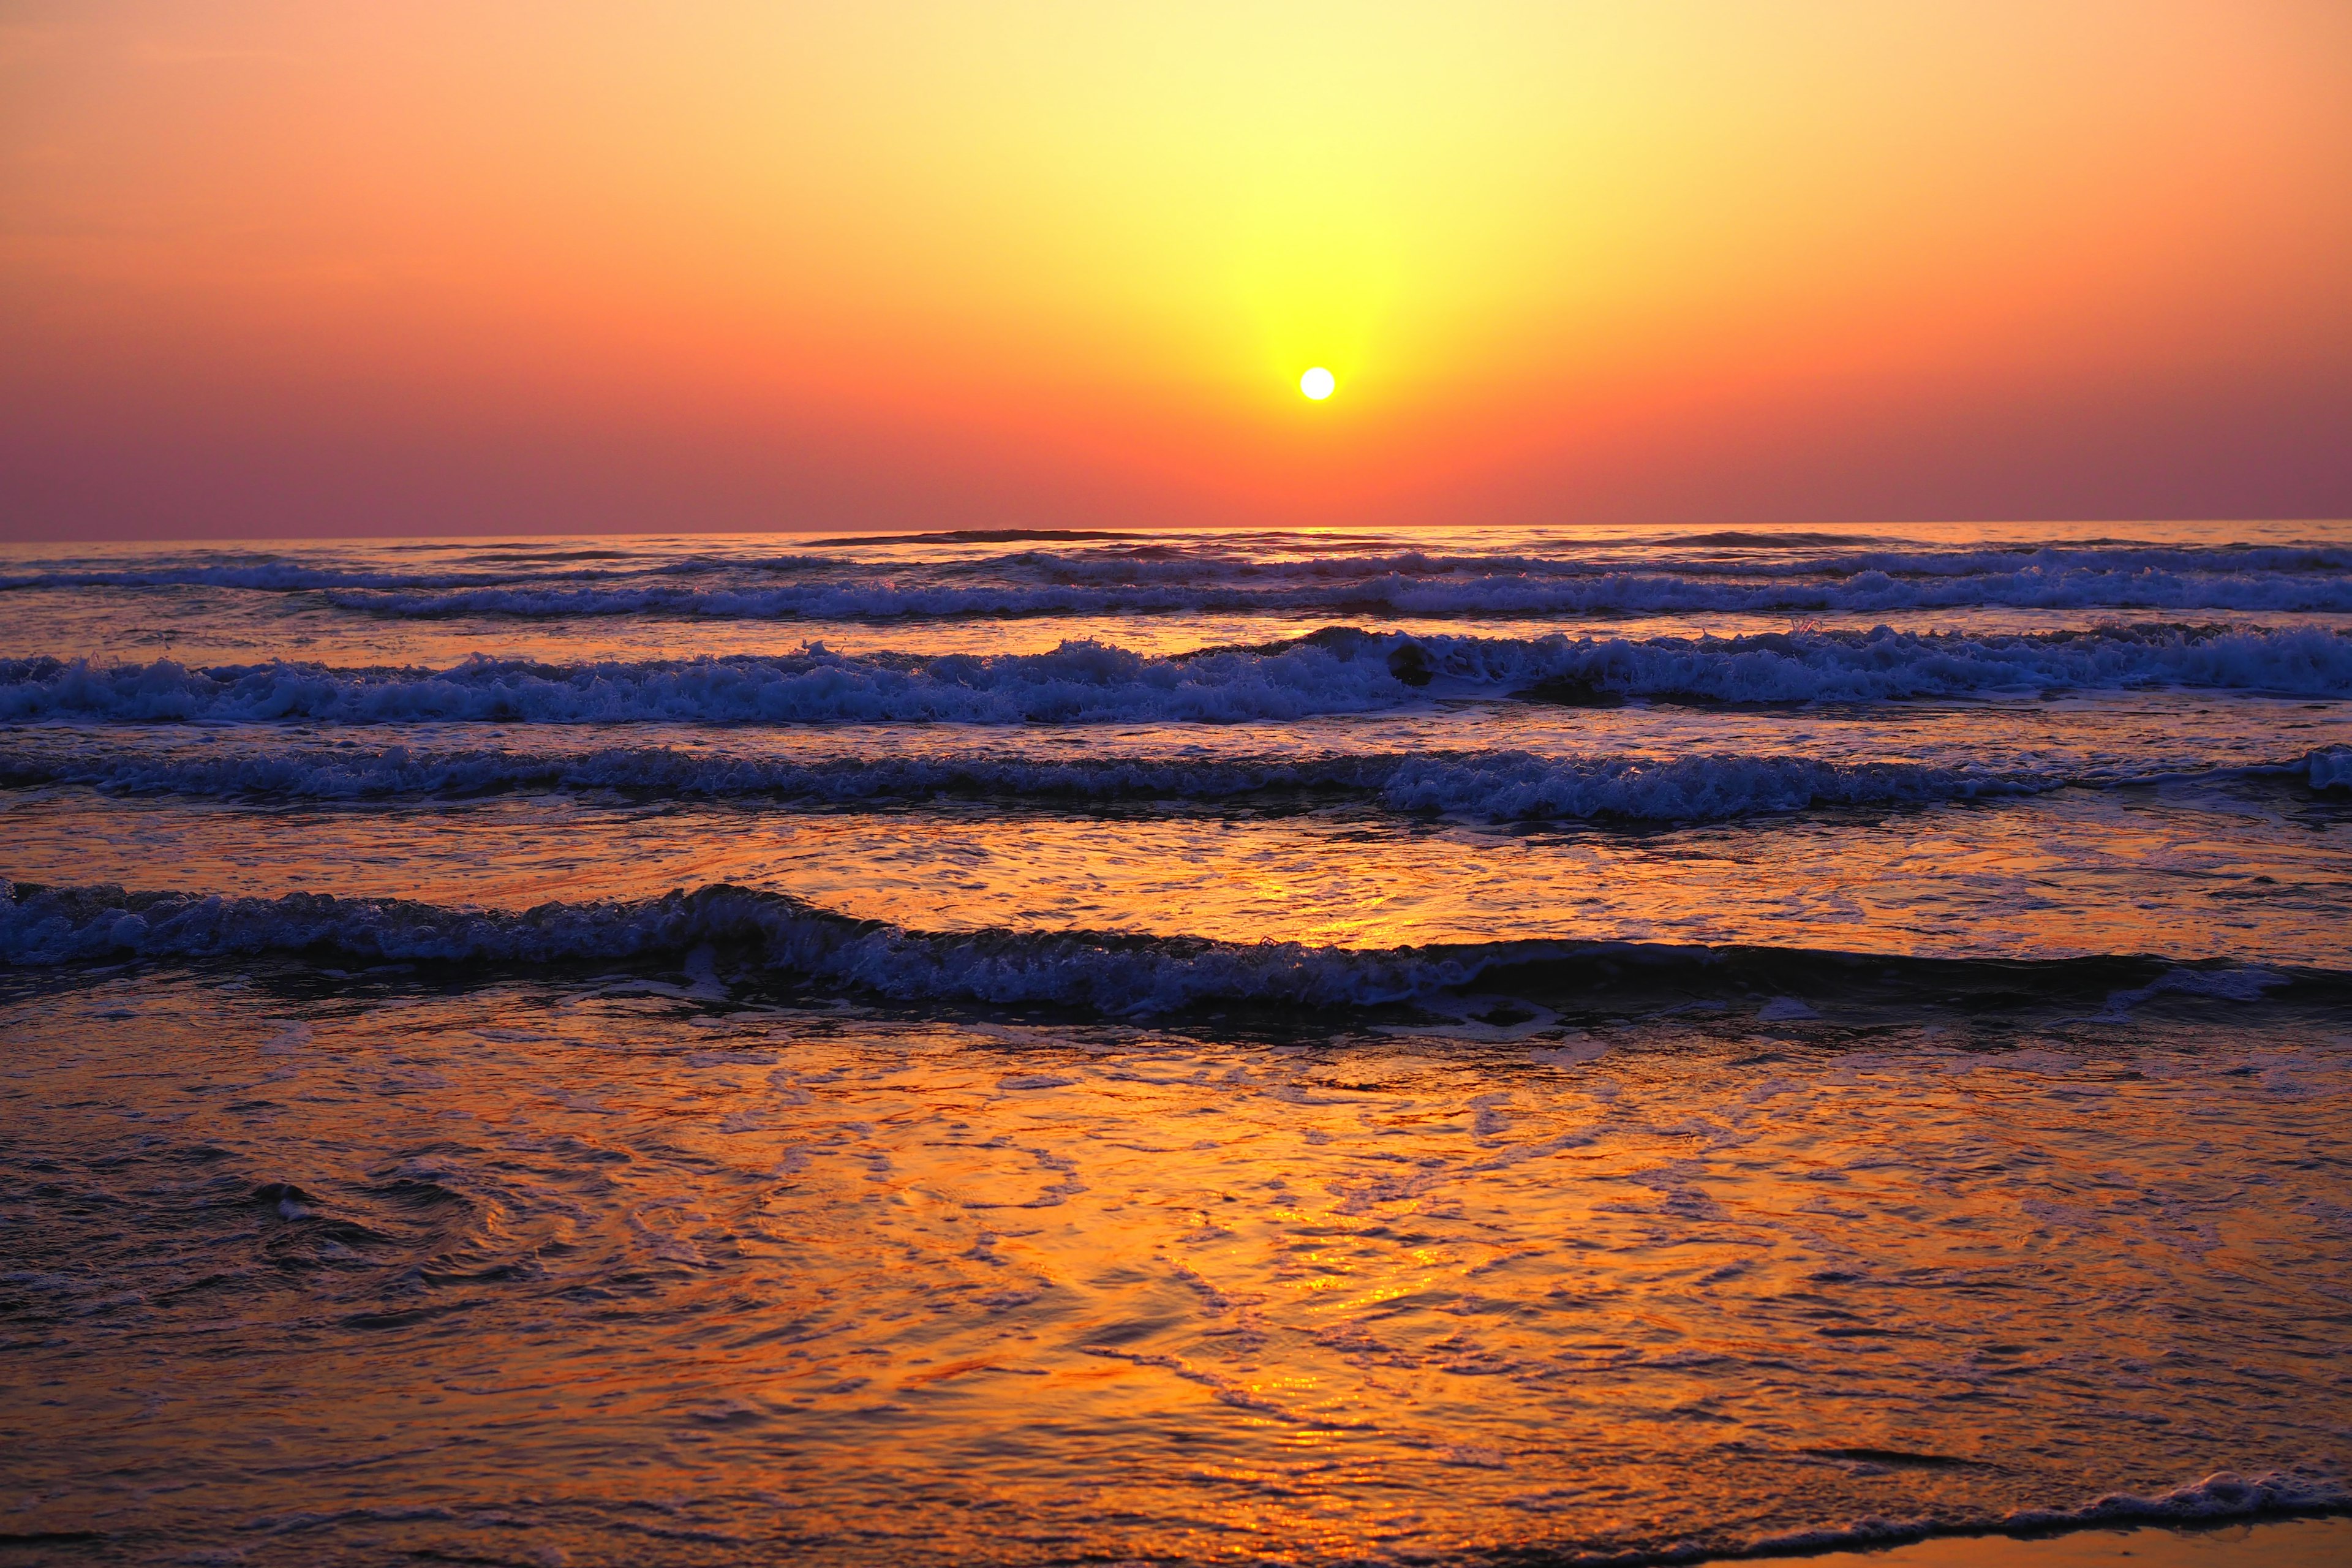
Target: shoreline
(2295,1541)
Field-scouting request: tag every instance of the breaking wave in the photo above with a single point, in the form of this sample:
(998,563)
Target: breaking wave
(1433,589)
(1339,671)
(2221,1496)
(1760,556)
(1730,573)
(1107,973)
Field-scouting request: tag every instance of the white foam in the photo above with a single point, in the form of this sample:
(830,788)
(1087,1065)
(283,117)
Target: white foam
(1107,972)
(2226,984)
(1517,787)
(2329,768)
(1110,974)
(1451,590)
(2220,1495)
(1338,671)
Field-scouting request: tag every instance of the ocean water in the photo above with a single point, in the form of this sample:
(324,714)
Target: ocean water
(1584,1046)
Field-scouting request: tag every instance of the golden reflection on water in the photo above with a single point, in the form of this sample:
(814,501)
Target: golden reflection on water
(908,1290)
(2069,873)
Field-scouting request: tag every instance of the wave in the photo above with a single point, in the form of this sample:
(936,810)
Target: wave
(1077,573)
(1139,561)
(2221,1496)
(982,536)
(1516,594)
(1495,786)
(1078,682)
(1106,972)
(1161,563)
(1337,670)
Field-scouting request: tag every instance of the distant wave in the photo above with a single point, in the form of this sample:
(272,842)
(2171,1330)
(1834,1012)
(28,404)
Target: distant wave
(1135,588)
(1496,786)
(1339,671)
(1759,556)
(982,536)
(1109,973)
(1810,574)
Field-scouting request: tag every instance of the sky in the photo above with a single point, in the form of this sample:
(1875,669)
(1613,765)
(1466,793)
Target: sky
(276,269)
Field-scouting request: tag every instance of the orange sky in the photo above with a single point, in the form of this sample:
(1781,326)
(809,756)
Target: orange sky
(303,268)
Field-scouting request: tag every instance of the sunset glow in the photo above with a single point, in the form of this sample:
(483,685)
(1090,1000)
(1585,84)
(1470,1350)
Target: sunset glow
(758,264)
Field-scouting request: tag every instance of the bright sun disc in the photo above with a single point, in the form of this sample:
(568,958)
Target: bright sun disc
(1317,384)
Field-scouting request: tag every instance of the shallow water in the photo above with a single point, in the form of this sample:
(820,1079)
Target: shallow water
(1628,1079)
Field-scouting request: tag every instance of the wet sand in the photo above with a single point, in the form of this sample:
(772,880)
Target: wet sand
(2281,1543)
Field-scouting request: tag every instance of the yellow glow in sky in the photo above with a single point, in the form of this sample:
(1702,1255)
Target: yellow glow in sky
(816,263)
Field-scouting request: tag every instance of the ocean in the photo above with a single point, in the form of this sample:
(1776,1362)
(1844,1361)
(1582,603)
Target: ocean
(1598,1044)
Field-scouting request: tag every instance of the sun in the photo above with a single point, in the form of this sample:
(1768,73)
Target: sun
(1319,383)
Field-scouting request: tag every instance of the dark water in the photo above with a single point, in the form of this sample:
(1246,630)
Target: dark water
(1312,1048)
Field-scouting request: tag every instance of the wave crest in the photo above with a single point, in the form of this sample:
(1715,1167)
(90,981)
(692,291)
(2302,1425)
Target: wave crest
(1337,670)
(1106,973)
(2220,1496)
(1429,588)
(1110,973)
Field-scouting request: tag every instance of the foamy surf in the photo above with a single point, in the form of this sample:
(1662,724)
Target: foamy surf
(1340,671)
(1110,973)
(1492,786)
(1750,574)
(1516,595)
(2221,1496)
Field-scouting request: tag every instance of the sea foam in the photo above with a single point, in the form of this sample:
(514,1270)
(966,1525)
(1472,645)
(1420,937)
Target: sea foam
(1339,671)
(1111,973)
(1138,588)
